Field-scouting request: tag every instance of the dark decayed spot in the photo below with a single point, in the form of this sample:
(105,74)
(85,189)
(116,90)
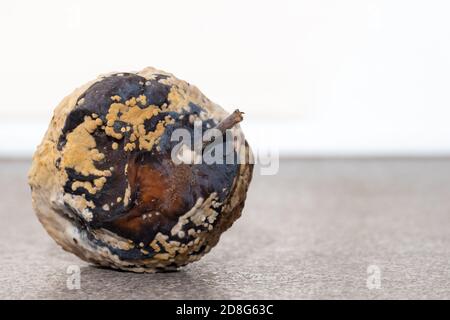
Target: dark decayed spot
(97,99)
(158,185)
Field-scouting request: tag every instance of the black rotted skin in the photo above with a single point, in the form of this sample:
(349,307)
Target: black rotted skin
(97,98)
(193,181)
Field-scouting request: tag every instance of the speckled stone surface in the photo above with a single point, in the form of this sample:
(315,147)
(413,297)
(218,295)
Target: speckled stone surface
(309,232)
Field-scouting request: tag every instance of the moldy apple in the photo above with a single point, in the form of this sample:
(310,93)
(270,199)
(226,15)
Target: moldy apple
(104,185)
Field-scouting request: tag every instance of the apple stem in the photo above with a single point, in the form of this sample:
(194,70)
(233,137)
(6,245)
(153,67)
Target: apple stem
(227,123)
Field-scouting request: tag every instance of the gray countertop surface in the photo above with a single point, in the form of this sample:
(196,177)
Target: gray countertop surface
(319,229)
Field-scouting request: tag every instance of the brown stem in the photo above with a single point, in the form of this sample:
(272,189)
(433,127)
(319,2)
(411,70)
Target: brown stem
(230,121)
(227,123)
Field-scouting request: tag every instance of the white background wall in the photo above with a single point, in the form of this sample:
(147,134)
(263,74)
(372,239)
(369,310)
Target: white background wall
(314,77)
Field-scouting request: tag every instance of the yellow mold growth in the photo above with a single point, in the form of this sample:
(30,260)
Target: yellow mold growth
(172,248)
(181,95)
(80,151)
(135,116)
(80,154)
(98,185)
